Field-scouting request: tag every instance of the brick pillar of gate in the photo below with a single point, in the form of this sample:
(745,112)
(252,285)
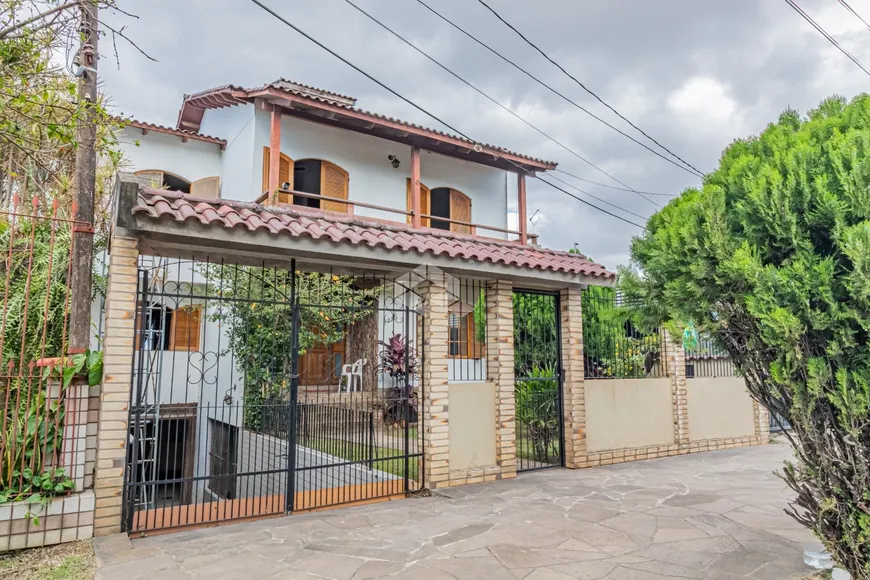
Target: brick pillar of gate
(436,427)
(574,391)
(500,372)
(117,374)
(674,360)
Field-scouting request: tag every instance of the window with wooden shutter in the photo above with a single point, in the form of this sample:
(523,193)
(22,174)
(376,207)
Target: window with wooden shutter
(285,175)
(460,210)
(207,187)
(186,326)
(153,177)
(463,340)
(333,183)
(425,204)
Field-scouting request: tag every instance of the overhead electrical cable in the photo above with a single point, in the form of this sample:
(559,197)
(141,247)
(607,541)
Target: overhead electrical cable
(488,97)
(611,186)
(587,89)
(845,5)
(554,91)
(824,33)
(424,111)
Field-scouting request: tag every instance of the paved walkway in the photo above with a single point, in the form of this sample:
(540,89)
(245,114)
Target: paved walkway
(716,515)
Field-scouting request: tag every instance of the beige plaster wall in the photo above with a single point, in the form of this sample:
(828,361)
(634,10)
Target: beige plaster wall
(472,425)
(628,413)
(718,408)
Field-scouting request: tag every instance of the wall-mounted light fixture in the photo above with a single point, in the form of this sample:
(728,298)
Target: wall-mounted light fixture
(395,161)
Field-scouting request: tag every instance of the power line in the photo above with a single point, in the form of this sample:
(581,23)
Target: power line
(604,201)
(551,89)
(486,96)
(611,186)
(421,109)
(585,88)
(824,33)
(850,9)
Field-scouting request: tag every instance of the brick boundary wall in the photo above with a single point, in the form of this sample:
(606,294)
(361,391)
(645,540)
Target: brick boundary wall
(674,361)
(500,372)
(117,376)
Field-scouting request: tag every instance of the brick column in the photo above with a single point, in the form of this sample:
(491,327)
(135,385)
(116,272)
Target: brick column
(117,374)
(674,357)
(500,372)
(762,422)
(573,393)
(436,438)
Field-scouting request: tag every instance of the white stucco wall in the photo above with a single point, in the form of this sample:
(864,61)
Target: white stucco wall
(374,180)
(239,161)
(192,160)
(364,157)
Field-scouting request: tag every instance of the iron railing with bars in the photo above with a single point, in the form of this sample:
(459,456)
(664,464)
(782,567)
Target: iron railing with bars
(615,344)
(538,380)
(43,421)
(261,390)
(466,341)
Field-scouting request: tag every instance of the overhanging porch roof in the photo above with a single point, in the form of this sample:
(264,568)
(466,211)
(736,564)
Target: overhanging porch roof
(179,225)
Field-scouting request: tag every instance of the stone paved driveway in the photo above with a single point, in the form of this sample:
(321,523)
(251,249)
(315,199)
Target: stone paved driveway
(714,515)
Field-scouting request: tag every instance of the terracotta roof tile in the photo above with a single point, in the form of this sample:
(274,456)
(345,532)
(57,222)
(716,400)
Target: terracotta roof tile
(160,204)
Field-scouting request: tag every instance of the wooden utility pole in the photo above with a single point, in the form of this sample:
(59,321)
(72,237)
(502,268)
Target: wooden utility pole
(85,184)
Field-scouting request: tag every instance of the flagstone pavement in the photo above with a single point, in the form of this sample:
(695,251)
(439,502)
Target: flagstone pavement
(716,515)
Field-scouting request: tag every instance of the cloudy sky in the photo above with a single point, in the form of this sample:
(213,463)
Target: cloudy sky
(694,74)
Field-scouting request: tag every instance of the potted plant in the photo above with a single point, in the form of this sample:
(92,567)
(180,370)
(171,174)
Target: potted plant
(399,362)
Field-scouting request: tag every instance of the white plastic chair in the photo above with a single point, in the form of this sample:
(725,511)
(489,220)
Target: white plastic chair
(352,376)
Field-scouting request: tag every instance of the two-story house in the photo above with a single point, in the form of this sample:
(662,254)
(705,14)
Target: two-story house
(290,144)
(285,135)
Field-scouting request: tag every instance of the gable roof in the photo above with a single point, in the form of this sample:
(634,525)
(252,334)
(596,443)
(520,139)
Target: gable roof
(325,107)
(249,218)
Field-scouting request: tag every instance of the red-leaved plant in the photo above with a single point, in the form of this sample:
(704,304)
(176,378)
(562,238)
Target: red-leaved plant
(400,362)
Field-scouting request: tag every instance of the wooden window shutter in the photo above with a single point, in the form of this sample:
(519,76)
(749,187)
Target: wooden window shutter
(477,348)
(207,187)
(424,201)
(460,210)
(285,175)
(333,183)
(186,325)
(154,177)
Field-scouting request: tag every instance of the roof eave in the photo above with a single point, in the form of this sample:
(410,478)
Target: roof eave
(280,97)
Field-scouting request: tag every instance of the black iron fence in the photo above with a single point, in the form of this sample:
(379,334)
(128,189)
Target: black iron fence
(538,376)
(616,343)
(260,390)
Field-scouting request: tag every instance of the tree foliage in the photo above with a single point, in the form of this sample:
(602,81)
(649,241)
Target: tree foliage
(771,257)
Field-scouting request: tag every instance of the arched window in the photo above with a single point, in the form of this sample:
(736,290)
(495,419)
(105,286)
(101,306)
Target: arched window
(321,178)
(207,187)
(447,203)
(310,176)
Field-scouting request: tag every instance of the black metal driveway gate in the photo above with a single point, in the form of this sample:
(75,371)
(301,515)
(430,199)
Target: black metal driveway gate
(538,380)
(259,391)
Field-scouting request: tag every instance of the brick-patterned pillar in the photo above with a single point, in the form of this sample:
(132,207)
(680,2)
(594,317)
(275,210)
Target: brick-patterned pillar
(762,422)
(574,393)
(674,357)
(112,430)
(436,428)
(500,372)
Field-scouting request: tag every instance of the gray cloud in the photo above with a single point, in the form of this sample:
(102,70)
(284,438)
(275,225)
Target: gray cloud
(696,75)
